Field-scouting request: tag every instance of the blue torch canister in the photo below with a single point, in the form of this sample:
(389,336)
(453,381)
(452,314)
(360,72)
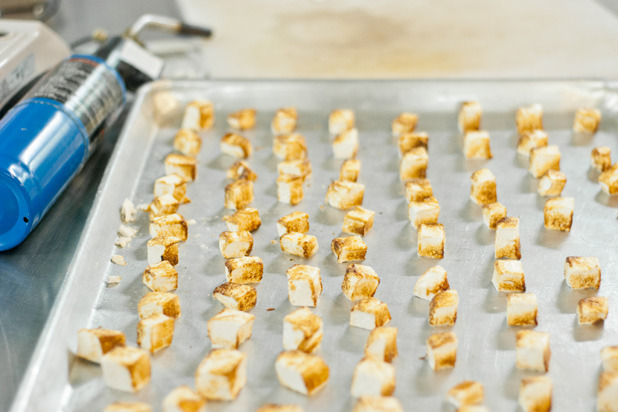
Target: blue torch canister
(49,135)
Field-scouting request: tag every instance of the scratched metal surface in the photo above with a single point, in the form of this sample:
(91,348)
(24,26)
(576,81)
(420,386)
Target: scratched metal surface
(56,380)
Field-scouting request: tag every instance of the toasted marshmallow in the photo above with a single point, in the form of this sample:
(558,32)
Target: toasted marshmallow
(587,120)
(163,248)
(299,244)
(558,213)
(609,357)
(529,118)
(535,394)
(170,225)
(300,167)
(473,408)
(183,399)
(424,212)
(126,368)
(377,404)
(174,185)
(483,187)
(600,158)
(235,244)
(531,140)
(128,211)
(241,170)
(409,141)
(476,145)
(271,407)
(238,194)
(236,296)
(609,180)
(350,169)
(521,309)
(543,159)
(340,120)
(418,189)
(235,145)
(183,166)
(442,350)
(358,221)
(465,393)
(493,213)
(290,189)
(360,281)
(414,164)
(382,344)
(163,205)
(284,121)
(198,115)
(443,308)
(160,277)
(244,219)
(592,310)
(607,393)
(509,276)
(369,313)
(293,222)
(431,240)
(302,330)
(404,123)
(221,375)
(243,270)
(155,332)
(344,195)
(229,328)
(159,303)
(290,146)
(92,344)
(345,144)
(373,377)
(187,142)
(301,372)
(469,118)
(433,281)
(582,272)
(349,248)
(304,285)
(532,350)
(507,243)
(552,183)
(128,407)
(242,120)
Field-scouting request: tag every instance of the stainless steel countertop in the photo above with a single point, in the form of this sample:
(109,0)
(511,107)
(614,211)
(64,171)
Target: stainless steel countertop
(31,274)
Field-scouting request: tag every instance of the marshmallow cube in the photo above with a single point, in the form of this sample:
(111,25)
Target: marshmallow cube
(161,277)
(507,245)
(369,313)
(304,285)
(532,350)
(126,368)
(302,330)
(414,164)
(221,375)
(229,328)
(360,281)
(431,240)
(382,344)
(236,296)
(558,213)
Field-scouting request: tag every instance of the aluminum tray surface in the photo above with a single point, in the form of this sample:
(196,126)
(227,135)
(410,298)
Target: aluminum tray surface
(56,380)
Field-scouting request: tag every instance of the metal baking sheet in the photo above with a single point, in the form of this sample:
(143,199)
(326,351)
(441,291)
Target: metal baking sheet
(56,380)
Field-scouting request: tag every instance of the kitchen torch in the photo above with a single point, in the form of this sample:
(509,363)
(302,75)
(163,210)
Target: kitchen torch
(47,137)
